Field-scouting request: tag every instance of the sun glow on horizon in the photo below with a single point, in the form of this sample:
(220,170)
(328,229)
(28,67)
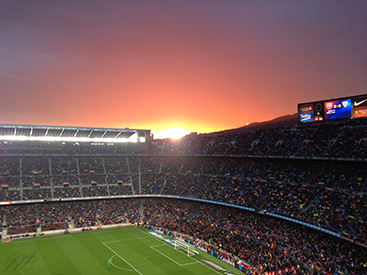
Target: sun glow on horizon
(172,133)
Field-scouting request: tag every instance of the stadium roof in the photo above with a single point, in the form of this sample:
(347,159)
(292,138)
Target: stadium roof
(73,134)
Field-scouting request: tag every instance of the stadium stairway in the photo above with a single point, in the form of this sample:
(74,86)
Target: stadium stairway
(4,232)
(71,224)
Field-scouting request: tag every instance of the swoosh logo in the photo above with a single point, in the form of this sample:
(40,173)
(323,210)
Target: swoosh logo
(359,103)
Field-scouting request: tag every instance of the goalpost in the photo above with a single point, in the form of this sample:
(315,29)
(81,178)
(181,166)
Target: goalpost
(181,245)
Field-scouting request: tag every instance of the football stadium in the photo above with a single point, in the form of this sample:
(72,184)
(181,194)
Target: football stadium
(283,197)
(166,137)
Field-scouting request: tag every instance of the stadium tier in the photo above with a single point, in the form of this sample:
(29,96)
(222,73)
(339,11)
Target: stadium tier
(290,196)
(28,138)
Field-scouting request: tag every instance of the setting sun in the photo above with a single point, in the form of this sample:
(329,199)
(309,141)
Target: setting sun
(172,133)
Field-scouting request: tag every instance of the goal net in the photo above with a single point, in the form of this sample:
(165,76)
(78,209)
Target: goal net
(188,249)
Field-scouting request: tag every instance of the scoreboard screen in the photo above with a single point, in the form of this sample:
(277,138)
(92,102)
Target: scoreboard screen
(305,113)
(310,112)
(360,106)
(333,109)
(338,109)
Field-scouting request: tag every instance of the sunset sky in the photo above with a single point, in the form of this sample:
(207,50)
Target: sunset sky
(197,65)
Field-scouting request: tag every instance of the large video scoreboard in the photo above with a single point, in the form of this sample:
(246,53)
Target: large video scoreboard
(333,109)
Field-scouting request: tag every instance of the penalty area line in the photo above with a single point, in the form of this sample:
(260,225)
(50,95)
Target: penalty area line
(142,231)
(152,247)
(165,255)
(122,258)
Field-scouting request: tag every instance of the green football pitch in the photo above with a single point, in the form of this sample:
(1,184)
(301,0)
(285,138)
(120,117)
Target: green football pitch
(131,251)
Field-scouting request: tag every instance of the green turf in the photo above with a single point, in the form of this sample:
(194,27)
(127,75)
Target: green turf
(132,250)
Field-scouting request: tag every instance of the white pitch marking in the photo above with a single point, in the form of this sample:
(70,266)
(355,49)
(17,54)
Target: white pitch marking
(165,256)
(118,266)
(152,247)
(122,258)
(180,251)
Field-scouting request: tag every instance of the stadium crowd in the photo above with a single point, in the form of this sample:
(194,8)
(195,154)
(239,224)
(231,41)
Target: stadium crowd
(264,242)
(346,139)
(329,194)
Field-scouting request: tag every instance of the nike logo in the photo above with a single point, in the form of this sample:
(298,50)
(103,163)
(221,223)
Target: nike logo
(359,103)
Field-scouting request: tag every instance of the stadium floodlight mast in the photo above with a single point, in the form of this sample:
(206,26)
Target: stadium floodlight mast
(72,139)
